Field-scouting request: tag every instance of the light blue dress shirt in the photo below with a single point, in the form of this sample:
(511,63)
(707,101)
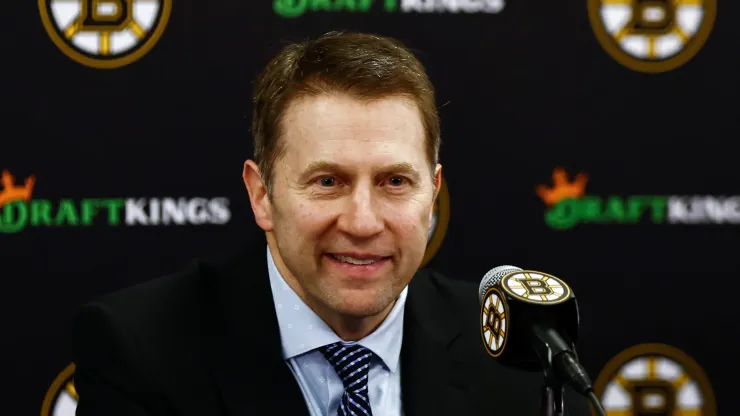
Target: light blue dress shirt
(302,332)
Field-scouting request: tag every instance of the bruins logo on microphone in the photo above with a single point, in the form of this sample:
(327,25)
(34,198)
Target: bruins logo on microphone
(440,219)
(654,379)
(535,287)
(61,398)
(652,35)
(105,33)
(494,315)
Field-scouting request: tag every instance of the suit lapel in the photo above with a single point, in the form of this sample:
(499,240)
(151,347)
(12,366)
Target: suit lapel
(244,345)
(432,381)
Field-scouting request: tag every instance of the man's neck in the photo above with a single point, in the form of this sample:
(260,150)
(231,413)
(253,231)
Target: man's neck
(348,328)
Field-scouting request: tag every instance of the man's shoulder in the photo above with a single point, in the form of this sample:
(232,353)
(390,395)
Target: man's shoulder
(152,336)
(170,305)
(461,295)
(154,315)
(157,297)
(455,285)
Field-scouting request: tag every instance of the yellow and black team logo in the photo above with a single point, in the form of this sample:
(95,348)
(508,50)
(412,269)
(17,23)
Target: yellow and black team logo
(494,314)
(652,35)
(535,287)
(440,219)
(105,33)
(61,398)
(654,379)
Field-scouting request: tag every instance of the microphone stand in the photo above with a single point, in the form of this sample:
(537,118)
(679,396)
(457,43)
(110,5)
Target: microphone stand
(552,399)
(553,395)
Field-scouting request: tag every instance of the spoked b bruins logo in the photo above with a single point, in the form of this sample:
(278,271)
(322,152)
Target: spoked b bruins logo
(652,35)
(105,33)
(494,314)
(536,287)
(654,379)
(61,399)
(440,219)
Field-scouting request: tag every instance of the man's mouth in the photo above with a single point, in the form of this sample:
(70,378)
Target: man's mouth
(357,261)
(358,265)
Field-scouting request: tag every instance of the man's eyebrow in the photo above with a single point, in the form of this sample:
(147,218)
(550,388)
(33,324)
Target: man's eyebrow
(406,168)
(323,165)
(319,166)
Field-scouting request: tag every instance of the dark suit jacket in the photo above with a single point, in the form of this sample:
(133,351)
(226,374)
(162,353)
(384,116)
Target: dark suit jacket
(205,341)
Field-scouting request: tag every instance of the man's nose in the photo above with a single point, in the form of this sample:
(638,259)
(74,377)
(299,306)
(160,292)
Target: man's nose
(361,216)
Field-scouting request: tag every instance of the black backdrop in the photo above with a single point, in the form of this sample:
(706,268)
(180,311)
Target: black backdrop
(522,92)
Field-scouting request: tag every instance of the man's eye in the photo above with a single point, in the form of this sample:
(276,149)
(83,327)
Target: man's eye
(328,181)
(397,180)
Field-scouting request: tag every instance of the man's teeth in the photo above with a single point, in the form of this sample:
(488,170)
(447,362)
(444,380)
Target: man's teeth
(351,260)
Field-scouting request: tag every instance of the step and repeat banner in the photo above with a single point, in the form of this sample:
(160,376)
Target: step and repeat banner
(591,139)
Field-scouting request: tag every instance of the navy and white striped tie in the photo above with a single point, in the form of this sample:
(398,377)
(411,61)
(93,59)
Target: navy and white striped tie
(352,364)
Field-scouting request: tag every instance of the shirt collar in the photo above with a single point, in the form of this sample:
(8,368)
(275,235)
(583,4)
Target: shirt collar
(301,330)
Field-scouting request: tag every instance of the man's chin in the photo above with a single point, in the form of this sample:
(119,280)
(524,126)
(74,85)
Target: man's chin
(360,307)
(361,312)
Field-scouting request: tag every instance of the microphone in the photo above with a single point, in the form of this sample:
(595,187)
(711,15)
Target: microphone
(529,321)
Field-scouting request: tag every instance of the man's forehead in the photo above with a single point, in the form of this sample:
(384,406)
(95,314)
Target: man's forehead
(353,135)
(337,112)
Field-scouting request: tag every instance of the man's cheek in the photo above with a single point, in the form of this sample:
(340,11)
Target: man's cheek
(414,228)
(311,218)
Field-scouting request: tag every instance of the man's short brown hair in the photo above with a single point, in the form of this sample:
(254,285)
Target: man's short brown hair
(366,66)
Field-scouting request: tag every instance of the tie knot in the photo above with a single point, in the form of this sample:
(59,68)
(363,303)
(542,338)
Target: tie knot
(350,362)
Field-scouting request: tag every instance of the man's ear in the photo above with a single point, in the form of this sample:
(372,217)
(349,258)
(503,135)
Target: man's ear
(258,195)
(437,187)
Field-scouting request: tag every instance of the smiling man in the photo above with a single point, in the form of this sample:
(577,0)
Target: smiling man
(348,208)
(328,313)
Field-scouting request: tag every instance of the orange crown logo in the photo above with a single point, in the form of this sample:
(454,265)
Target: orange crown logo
(562,188)
(11,193)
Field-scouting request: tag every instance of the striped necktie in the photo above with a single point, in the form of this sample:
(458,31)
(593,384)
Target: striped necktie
(352,364)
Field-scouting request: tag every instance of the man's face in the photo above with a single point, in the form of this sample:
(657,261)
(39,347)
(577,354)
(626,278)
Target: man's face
(352,200)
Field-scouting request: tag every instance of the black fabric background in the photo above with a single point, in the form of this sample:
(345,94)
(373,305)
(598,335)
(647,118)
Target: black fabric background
(521,92)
